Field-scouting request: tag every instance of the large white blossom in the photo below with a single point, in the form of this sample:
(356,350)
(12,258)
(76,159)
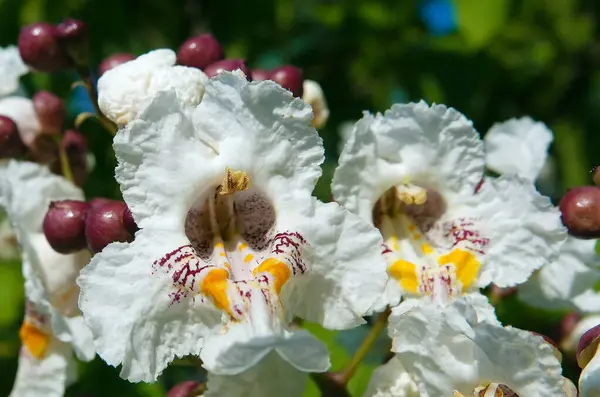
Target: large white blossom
(520,147)
(11,70)
(462,349)
(53,327)
(416,173)
(232,245)
(126,89)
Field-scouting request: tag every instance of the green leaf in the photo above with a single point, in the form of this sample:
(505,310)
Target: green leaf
(479,20)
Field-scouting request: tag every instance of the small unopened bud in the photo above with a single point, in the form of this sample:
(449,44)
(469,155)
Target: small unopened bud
(113,61)
(40,49)
(596,175)
(226,65)
(580,210)
(129,222)
(568,324)
(73,36)
(104,225)
(11,145)
(43,150)
(64,225)
(50,111)
(199,51)
(260,74)
(188,388)
(98,201)
(331,384)
(289,77)
(588,344)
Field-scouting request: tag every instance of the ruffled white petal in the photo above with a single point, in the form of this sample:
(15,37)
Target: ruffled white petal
(435,146)
(523,228)
(130,308)
(454,349)
(568,282)
(347,273)
(11,70)
(125,90)
(569,344)
(314,96)
(272,377)
(391,380)
(20,110)
(47,377)
(589,380)
(518,146)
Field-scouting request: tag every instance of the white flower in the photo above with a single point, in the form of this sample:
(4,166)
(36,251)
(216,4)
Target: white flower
(21,111)
(415,172)
(53,325)
(314,96)
(589,380)
(11,70)
(569,344)
(232,246)
(518,146)
(462,350)
(126,89)
(392,380)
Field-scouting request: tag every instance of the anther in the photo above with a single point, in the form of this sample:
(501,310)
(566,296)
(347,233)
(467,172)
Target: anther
(411,194)
(234,181)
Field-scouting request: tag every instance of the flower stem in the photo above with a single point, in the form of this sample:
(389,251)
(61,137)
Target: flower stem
(64,160)
(86,80)
(365,346)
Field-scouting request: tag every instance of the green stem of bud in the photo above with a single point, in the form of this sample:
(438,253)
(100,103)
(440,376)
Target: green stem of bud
(64,160)
(86,81)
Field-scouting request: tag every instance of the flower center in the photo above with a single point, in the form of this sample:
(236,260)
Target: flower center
(425,255)
(235,255)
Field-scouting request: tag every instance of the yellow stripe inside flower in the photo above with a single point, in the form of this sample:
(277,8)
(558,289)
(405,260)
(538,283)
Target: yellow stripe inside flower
(34,339)
(406,273)
(215,286)
(279,270)
(465,263)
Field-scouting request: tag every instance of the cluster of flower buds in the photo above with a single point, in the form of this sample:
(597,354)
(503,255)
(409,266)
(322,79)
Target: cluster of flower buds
(580,209)
(188,388)
(206,53)
(72,225)
(48,48)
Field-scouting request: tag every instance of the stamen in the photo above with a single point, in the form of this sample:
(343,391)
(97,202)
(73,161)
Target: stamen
(34,339)
(411,194)
(234,181)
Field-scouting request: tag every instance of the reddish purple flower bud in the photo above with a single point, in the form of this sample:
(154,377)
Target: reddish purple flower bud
(260,74)
(98,201)
(113,61)
(40,48)
(64,225)
(43,150)
(588,344)
(580,209)
(226,65)
(568,324)
(11,145)
(331,384)
(289,77)
(73,36)
(185,389)
(50,111)
(104,225)
(129,222)
(199,51)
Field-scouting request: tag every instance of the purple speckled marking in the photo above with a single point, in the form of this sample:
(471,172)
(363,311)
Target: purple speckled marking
(289,245)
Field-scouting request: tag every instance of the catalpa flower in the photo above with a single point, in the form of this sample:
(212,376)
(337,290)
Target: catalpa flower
(11,70)
(232,246)
(415,173)
(463,351)
(123,91)
(53,327)
(520,146)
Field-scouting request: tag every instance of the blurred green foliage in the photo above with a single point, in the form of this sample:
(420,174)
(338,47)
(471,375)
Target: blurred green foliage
(505,58)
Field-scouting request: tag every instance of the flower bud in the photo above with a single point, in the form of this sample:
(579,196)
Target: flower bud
(113,61)
(188,388)
(588,344)
(226,65)
(568,324)
(199,51)
(129,222)
(289,77)
(104,225)
(11,145)
(50,111)
(580,209)
(331,384)
(43,150)
(73,36)
(64,225)
(260,74)
(40,48)
(98,201)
